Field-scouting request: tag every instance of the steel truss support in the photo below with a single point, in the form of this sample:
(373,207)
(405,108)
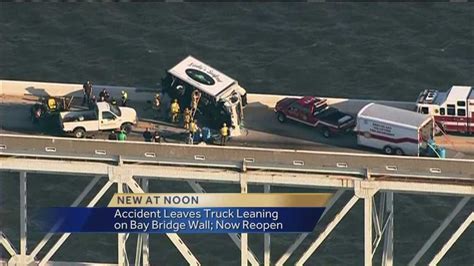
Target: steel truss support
(266,238)
(235,237)
(76,203)
(387,257)
(7,244)
(145,238)
(439,230)
(453,239)
(175,239)
(244,254)
(325,233)
(122,257)
(23,217)
(303,236)
(65,236)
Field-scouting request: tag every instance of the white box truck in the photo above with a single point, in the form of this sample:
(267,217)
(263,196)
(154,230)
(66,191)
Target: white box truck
(396,131)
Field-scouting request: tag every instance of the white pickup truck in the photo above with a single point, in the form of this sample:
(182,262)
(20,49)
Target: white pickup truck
(105,116)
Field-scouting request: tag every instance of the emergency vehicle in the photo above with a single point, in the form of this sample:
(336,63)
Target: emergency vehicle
(453,110)
(222,98)
(397,131)
(314,112)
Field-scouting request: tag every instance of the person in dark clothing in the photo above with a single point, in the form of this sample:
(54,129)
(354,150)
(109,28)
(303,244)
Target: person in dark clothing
(156,137)
(147,135)
(113,135)
(92,102)
(104,95)
(87,93)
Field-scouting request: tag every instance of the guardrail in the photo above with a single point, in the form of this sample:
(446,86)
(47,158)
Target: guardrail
(236,157)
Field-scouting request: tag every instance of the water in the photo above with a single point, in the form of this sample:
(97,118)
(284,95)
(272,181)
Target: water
(370,50)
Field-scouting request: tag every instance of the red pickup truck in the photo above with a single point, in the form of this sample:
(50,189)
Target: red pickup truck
(314,112)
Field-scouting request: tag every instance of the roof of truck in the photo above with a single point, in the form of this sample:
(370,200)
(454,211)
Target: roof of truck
(201,76)
(393,115)
(458,93)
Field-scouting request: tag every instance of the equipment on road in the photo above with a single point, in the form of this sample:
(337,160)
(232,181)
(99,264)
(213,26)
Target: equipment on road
(396,131)
(453,111)
(49,107)
(221,99)
(314,112)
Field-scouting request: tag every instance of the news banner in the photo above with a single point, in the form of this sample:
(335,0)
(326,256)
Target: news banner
(193,213)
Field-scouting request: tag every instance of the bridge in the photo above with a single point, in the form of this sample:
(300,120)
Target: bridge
(135,166)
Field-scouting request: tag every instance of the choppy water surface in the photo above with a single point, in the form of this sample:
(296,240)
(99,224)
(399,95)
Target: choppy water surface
(378,51)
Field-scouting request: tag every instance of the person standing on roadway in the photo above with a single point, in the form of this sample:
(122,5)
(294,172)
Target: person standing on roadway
(224,133)
(122,136)
(124,98)
(187,118)
(156,137)
(87,93)
(113,135)
(157,104)
(174,110)
(147,135)
(193,127)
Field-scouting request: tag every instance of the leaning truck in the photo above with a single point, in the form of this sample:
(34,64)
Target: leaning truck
(222,98)
(397,131)
(104,116)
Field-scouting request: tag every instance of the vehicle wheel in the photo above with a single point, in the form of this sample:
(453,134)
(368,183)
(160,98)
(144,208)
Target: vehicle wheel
(387,150)
(281,117)
(399,152)
(79,133)
(326,132)
(127,127)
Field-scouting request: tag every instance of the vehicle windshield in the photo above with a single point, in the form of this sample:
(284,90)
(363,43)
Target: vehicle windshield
(114,109)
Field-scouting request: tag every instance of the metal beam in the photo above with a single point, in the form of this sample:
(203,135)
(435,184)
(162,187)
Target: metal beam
(65,236)
(145,237)
(303,236)
(325,233)
(244,255)
(76,203)
(235,237)
(23,217)
(7,244)
(121,239)
(439,230)
(368,229)
(266,238)
(175,239)
(453,239)
(387,256)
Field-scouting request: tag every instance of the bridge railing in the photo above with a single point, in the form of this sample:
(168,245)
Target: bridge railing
(236,157)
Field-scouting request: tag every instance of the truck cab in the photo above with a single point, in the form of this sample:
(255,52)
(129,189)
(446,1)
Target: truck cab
(315,112)
(222,98)
(104,116)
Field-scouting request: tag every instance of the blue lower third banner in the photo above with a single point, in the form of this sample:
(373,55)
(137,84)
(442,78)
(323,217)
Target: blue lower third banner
(184,220)
(193,213)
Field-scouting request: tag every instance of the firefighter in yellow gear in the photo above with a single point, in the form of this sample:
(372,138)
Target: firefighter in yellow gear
(187,118)
(174,110)
(193,127)
(224,133)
